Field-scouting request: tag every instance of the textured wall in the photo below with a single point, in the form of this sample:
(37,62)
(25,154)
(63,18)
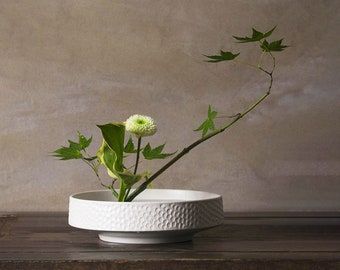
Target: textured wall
(68,65)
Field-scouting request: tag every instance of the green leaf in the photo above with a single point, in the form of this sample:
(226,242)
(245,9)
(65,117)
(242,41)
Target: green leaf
(108,158)
(256,36)
(83,141)
(67,153)
(73,151)
(208,124)
(130,147)
(224,56)
(211,114)
(267,34)
(129,179)
(113,134)
(155,153)
(74,145)
(275,46)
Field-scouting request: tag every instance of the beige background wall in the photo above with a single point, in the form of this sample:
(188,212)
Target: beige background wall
(68,65)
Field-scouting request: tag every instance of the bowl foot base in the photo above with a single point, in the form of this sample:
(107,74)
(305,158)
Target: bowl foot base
(146,237)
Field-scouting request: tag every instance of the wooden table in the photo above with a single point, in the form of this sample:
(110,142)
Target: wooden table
(45,241)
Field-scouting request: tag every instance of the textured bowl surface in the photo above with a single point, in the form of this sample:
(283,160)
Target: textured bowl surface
(154,210)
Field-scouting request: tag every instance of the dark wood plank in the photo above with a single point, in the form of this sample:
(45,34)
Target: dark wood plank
(45,241)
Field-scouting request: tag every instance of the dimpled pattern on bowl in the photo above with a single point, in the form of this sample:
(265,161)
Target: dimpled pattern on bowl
(145,216)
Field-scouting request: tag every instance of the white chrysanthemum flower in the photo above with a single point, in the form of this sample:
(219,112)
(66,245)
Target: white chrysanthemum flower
(141,125)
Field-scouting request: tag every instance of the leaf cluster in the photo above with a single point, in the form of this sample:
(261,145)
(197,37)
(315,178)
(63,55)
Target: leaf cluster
(111,155)
(257,36)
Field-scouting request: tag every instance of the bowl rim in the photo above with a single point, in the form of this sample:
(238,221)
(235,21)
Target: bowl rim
(213,196)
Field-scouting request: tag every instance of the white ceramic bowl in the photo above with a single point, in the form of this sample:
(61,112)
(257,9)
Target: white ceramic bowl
(155,216)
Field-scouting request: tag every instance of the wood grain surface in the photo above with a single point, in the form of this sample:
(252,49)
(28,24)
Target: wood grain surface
(46,241)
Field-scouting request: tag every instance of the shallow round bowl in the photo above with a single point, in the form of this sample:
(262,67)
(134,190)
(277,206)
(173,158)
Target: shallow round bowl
(155,216)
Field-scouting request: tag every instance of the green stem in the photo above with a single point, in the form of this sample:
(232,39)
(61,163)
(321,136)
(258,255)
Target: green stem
(95,170)
(186,150)
(114,192)
(122,190)
(245,64)
(137,156)
(139,143)
(260,61)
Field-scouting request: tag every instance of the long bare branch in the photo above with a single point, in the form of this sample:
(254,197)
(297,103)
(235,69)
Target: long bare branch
(186,150)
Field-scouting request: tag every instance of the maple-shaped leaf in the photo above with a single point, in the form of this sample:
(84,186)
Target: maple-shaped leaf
(256,36)
(275,46)
(208,124)
(73,151)
(224,56)
(155,153)
(66,153)
(83,141)
(130,147)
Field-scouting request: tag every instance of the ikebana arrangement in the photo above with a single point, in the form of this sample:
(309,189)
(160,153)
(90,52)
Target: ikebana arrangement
(121,140)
